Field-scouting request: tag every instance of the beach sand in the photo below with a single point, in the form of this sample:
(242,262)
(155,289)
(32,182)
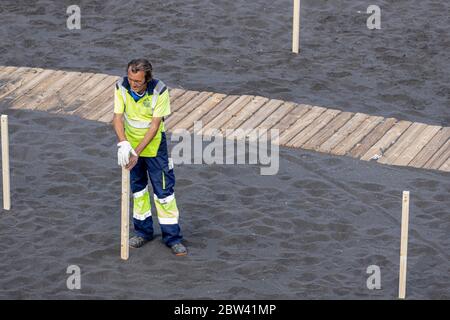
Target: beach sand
(309,232)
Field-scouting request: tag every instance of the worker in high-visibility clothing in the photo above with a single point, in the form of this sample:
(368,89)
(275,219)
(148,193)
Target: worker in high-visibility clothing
(140,105)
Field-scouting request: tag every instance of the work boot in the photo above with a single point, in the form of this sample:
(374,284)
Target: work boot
(179,249)
(137,242)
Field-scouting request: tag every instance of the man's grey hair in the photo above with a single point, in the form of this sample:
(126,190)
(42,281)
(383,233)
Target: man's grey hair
(137,65)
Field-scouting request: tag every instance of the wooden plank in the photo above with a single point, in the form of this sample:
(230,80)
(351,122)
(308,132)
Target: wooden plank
(18,82)
(107,117)
(58,100)
(296,26)
(446,166)
(254,120)
(80,95)
(97,97)
(182,100)
(103,100)
(431,148)
(28,101)
(357,135)
(197,113)
(97,105)
(403,142)
(187,109)
(12,81)
(373,137)
(16,74)
(327,132)
(102,107)
(439,158)
(247,112)
(5,163)
(416,145)
(217,110)
(275,117)
(107,107)
(175,93)
(313,128)
(403,245)
(14,97)
(387,140)
(301,123)
(4,71)
(291,117)
(342,133)
(53,91)
(233,108)
(255,112)
(7,71)
(125,215)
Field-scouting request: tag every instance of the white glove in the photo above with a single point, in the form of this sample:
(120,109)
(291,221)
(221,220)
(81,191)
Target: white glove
(123,153)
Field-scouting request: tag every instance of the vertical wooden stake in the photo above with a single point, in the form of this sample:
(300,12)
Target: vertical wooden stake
(296,27)
(5,163)
(404,245)
(125,218)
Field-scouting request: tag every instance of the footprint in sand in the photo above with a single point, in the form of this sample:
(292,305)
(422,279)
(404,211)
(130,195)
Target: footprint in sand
(371,187)
(183,182)
(250,191)
(430,185)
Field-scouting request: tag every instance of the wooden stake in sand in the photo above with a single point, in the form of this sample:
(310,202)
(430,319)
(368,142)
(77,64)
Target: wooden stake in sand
(5,163)
(296,27)
(404,245)
(125,218)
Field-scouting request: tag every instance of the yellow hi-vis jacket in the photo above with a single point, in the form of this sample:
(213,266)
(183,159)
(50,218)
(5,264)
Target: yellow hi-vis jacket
(138,114)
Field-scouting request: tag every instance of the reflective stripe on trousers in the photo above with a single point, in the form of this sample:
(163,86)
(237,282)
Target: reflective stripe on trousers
(141,204)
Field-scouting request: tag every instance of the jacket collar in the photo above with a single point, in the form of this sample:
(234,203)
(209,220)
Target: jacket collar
(150,86)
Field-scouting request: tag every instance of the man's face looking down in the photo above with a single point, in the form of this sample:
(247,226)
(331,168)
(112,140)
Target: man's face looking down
(137,81)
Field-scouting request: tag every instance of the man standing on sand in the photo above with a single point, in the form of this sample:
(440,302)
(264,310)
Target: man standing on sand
(140,105)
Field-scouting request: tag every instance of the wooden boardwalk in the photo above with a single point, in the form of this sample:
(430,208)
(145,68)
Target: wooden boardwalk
(386,140)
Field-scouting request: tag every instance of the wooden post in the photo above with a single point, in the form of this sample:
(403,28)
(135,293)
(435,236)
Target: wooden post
(125,217)
(404,245)
(296,27)
(5,163)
